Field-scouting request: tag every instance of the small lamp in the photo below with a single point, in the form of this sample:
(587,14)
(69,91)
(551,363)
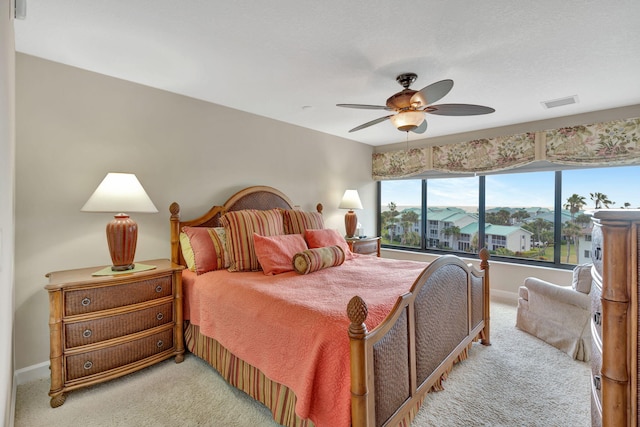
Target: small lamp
(407,120)
(351,201)
(120,192)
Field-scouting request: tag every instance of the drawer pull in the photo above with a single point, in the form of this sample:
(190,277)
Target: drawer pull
(159,344)
(159,288)
(87,333)
(85,302)
(159,316)
(596,382)
(88,365)
(597,318)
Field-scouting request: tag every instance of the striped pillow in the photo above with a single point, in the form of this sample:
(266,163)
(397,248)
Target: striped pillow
(311,260)
(204,249)
(240,226)
(296,222)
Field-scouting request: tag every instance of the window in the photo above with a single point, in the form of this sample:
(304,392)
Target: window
(519,215)
(530,217)
(452,214)
(401,213)
(586,189)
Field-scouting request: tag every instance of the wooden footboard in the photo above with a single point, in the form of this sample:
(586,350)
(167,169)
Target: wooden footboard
(430,328)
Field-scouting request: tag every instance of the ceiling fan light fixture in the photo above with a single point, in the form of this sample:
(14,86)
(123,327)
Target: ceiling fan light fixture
(407,120)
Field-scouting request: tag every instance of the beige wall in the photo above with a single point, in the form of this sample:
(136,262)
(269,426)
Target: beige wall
(7,172)
(74,126)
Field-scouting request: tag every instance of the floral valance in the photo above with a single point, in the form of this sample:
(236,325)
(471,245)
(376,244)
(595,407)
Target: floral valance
(600,144)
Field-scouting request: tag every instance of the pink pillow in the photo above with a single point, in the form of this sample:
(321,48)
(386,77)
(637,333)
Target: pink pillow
(275,253)
(327,237)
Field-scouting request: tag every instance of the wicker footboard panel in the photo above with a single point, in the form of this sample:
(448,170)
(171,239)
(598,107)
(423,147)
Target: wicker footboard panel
(278,398)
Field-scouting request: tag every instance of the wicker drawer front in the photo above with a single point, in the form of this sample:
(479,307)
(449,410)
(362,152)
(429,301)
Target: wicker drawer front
(102,298)
(596,383)
(596,309)
(92,331)
(596,248)
(95,362)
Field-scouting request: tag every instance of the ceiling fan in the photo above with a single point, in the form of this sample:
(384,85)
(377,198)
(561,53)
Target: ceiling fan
(410,105)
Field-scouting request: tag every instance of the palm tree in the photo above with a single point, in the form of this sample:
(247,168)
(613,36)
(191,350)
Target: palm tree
(572,231)
(452,230)
(408,218)
(519,215)
(574,204)
(389,220)
(601,199)
(537,227)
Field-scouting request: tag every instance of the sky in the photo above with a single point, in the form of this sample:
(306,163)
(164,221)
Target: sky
(521,189)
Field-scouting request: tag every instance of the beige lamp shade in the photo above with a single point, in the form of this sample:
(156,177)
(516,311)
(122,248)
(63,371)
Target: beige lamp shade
(350,200)
(120,192)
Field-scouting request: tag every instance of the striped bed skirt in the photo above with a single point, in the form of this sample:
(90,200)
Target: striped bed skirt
(278,398)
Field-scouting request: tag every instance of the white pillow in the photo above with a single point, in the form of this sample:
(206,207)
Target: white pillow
(581,281)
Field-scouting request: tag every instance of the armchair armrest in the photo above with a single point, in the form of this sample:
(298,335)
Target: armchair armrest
(561,294)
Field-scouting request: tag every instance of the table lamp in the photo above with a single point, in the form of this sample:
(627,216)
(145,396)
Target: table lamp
(351,201)
(120,192)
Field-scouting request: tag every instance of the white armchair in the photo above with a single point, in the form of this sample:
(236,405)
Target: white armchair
(558,315)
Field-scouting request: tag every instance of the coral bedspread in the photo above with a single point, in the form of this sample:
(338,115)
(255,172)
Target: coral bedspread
(294,327)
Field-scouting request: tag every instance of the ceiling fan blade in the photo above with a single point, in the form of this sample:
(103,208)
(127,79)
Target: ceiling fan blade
(365,107)
(371,123)
(422,128)
(432,93)
(458,110)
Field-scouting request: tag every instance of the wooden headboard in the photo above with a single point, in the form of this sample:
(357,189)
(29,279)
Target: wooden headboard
(257,197)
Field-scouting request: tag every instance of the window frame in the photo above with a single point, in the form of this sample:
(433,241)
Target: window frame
(556,263)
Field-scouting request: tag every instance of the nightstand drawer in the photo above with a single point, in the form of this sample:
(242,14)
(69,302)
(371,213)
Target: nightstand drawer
(97,361)
(370,247)
(106,328)
(88,300)
(365,246)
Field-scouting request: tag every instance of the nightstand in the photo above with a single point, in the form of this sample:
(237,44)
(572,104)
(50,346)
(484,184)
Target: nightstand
(104,327)
(365,246)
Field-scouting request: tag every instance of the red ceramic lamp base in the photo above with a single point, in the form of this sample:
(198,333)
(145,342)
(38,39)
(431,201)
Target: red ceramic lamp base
(350,223)
(122,236)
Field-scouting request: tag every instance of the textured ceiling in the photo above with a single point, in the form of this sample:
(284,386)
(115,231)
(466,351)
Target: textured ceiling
(293,60)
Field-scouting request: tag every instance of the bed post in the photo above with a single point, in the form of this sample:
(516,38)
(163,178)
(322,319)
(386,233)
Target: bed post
(484,266)
(357,312)
(175,232)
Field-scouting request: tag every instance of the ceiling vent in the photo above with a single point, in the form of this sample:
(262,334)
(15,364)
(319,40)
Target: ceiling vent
(560,102)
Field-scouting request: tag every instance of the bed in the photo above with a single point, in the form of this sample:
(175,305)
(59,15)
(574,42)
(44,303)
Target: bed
(343,345)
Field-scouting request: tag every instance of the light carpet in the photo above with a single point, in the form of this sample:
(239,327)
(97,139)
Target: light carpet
(517,381)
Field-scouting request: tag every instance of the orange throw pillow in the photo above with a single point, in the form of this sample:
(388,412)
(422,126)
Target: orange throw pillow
(327,237)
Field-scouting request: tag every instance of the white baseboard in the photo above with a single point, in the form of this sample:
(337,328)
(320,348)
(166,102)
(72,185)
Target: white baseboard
(504,296)
(31,373)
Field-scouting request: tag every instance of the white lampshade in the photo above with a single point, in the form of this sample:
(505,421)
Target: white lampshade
(119,192)
(407,120)
(350,200)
